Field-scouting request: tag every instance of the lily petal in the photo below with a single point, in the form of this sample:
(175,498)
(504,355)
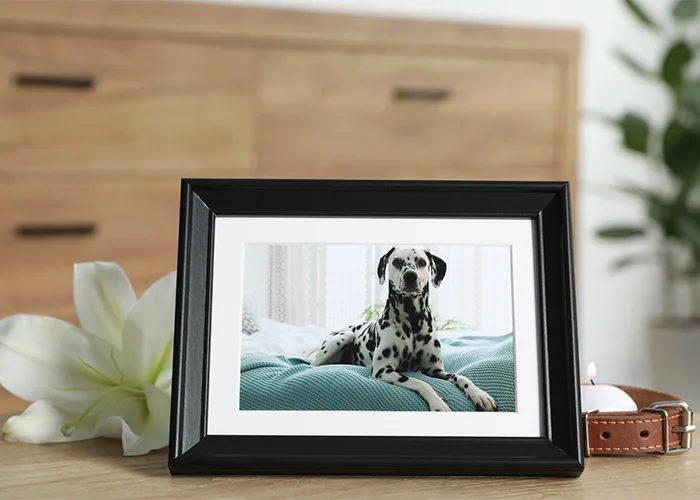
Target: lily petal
(152,432)
(164,381)
(45,358)
(103,298)
(42,422)
(148,334)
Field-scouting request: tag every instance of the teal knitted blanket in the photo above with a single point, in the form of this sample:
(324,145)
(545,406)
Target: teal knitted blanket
(279,383)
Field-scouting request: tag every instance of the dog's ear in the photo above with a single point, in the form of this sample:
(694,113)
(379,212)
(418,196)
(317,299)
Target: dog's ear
(381,268)
(438,269)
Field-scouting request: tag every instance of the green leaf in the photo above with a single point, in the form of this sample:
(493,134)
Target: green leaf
(635,132)
(689,229)
(632,64)
(635,129)
(659,209)
(640,14)
(674,64)
(621,232)
(691,96)
(685,9)
(631,260)
(681,149)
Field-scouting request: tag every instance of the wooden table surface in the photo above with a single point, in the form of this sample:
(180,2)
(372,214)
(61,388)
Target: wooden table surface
(96,469)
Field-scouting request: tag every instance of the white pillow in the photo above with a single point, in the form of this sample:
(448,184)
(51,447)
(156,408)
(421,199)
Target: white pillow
(249,322)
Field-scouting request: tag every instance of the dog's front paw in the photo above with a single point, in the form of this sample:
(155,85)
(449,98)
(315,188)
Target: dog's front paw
(481,399)
(438,404)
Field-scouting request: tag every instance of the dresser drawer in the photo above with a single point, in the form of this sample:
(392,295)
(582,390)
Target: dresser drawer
(46,227)
(365,115)
(89,103)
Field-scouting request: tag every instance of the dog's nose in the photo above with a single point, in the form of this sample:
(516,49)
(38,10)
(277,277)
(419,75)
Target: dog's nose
(410,278)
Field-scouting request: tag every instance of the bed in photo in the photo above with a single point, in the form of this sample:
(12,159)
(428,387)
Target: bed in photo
(377,327)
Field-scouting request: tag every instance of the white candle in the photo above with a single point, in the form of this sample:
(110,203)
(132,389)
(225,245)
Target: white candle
(604,397)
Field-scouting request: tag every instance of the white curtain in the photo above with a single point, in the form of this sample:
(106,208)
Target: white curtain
(294,284)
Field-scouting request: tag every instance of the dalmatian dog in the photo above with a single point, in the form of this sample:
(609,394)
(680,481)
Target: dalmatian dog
(404,337)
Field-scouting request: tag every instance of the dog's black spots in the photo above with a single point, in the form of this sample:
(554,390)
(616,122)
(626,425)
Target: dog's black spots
(356,348)
(337,343)
(371,345)
(386,352)
(433,358)
(371,355)
(403,378)
(393,296)
(362,356)
(429,320)
(453,377)
(396,350)
(404,354)
(418,355)
(379,357)
(398,334)
(413,316)
(406,329)
(379,372)
(389,369)
(384,324)
(436,343)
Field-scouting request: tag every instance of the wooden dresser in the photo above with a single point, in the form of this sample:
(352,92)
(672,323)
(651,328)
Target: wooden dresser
(105,105)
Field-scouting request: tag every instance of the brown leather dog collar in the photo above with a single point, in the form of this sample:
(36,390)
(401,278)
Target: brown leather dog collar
(663,424)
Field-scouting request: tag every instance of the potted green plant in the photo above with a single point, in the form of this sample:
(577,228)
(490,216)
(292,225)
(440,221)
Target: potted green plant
(672,150)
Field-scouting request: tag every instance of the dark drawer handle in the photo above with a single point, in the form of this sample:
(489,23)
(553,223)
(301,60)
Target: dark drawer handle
(409,94)
(55,81)
(54,230)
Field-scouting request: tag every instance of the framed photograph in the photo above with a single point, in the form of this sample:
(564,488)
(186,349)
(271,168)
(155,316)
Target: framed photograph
(374,328)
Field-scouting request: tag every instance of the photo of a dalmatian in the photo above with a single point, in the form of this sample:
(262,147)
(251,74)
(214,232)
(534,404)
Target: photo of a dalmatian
(404,337)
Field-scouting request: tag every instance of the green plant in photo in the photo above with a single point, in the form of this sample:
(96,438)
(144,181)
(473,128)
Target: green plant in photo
(372,312)
(452,324)
(671,148)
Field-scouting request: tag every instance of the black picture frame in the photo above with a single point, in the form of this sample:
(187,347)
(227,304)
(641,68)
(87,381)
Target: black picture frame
(558,453)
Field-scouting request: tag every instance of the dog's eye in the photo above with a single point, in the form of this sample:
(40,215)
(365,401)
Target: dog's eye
(421,262)
(396,263)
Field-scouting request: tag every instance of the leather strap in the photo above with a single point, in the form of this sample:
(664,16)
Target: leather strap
(641,432)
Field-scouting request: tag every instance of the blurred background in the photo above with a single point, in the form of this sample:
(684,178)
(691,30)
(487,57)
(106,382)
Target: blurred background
(333,286)
(104,106)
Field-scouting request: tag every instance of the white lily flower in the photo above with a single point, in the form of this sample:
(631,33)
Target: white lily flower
(110,378)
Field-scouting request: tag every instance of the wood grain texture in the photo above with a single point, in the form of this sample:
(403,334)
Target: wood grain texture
(329,114)
(155,105)
(135,224)
(184,89)
(79,470)
(277,27)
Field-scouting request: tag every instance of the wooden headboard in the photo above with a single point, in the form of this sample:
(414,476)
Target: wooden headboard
(107,104)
